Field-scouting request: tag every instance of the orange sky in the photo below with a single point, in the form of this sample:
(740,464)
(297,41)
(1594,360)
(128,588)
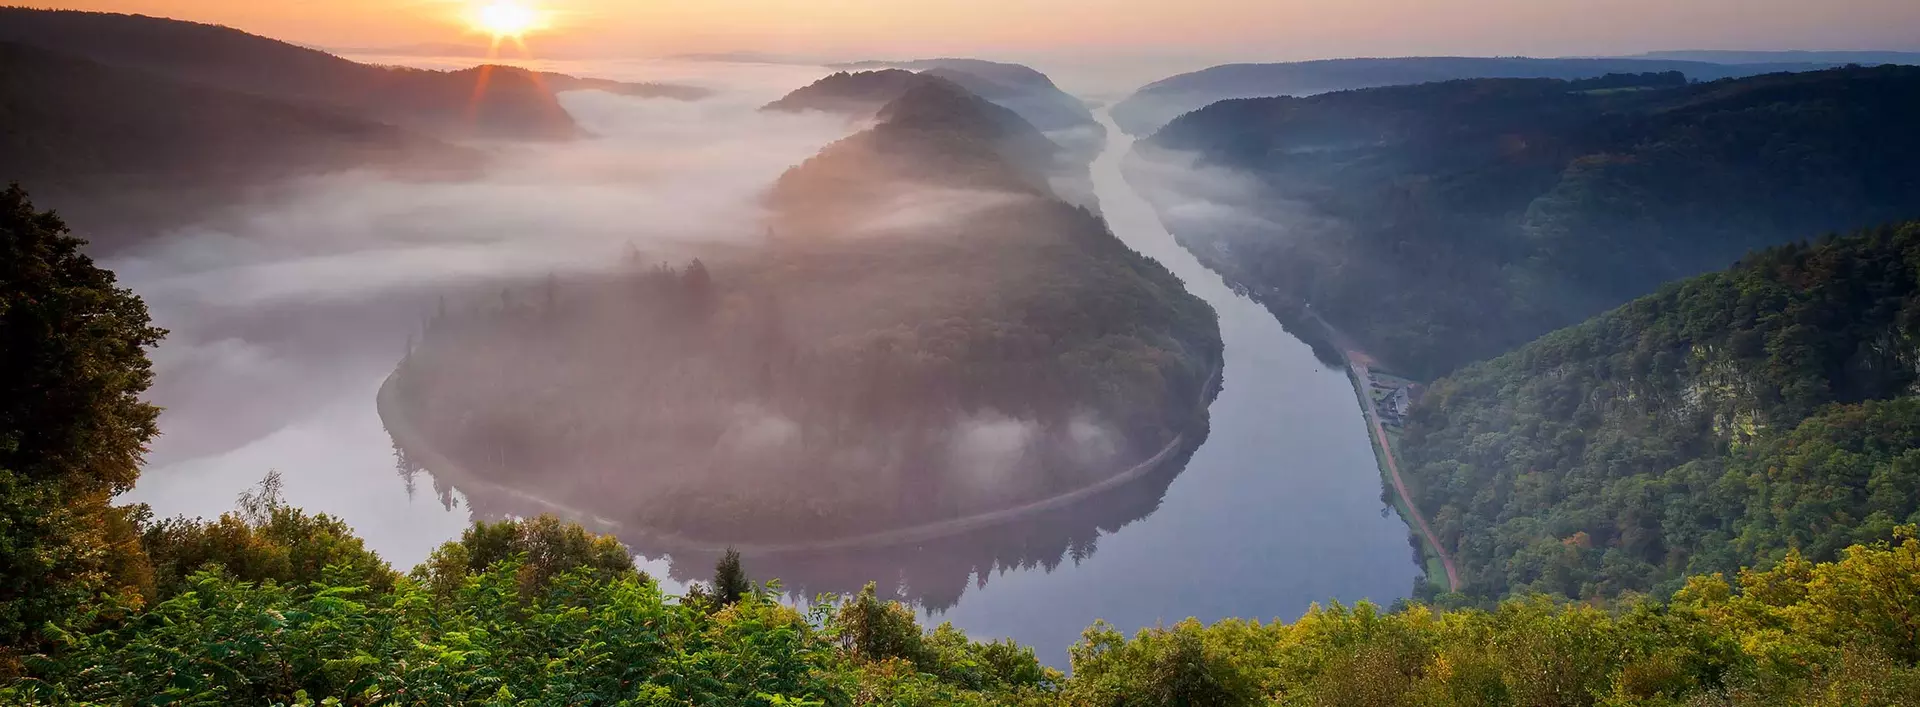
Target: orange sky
(1241,29)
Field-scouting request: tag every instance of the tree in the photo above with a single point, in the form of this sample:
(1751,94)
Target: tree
(730,582)
(699,292)
(73,429)
(543,547)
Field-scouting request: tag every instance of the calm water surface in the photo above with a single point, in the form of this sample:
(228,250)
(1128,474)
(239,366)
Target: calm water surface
(1278,508)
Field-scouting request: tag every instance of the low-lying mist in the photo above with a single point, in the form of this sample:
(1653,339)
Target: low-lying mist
(277,306)
(930,335)
(895,327)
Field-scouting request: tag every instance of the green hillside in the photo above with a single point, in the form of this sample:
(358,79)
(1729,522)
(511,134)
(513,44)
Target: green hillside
(1722,422)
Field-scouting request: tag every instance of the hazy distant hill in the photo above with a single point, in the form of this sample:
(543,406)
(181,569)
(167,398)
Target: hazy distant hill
(1711,426)
(865,94)
(859,94)
(929,334)
(1722,56)
(1161,101)
(1448,222)
(935,134)
(128,152)
(515,103)
(1018,87)
(562,82)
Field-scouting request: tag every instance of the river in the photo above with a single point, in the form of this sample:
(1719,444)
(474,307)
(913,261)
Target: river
(1278,508)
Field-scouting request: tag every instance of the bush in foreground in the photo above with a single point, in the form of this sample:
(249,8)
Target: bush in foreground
(556,619)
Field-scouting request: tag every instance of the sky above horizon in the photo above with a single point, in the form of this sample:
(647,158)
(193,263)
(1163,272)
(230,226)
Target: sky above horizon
(1222,30)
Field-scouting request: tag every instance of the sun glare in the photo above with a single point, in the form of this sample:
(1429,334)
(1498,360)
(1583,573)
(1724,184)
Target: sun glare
(506,19)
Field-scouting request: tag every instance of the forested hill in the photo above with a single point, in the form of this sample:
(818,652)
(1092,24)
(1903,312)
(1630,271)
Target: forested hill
(1158,103)
(1795,56)
(1719,423)
(860,94)
(516,103)
(957,113)
(929,334)
(933,134)
(1449,222)
(1020,88)
(129,152)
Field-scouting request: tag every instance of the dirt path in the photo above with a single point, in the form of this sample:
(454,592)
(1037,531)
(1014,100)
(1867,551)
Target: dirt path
(1364,379)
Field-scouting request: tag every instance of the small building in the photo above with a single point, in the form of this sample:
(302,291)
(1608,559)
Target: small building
(1400,402)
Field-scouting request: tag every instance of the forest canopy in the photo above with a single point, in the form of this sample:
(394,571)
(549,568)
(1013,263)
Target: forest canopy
(536,612)
(1729,420)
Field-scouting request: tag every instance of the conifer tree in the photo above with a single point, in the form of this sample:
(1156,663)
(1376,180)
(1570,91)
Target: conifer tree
(730,582)
(73,364)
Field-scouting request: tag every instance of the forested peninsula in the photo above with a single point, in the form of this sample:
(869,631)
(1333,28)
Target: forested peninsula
(927,334)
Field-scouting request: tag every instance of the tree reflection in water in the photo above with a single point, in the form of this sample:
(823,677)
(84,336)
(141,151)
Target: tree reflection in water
(933,574)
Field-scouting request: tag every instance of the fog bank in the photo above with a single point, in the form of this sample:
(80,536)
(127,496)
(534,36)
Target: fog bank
(285,314)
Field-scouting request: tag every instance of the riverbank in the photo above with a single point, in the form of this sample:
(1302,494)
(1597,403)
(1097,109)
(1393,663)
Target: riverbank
(1358,367)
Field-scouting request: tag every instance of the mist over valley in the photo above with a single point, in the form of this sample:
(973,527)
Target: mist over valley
(823,361)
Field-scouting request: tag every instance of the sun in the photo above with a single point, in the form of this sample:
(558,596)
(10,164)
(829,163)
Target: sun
(506,19)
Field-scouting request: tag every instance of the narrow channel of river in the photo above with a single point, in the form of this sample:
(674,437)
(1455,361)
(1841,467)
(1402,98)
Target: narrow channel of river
(1279,508)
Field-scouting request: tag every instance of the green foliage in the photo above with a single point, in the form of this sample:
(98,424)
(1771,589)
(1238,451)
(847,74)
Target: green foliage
(730,582)
(1714,425)
(873,630)
(266,540)
(897,663)
(589,631)
(1184,665)
(540,548)
(1801,633)
(448,634)
(72,426)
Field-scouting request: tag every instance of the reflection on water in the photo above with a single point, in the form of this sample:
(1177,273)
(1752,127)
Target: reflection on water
(933,574)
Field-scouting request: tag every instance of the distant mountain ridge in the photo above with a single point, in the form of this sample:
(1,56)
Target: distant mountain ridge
(858,94)
(1734,56)
(483,102)
(1443,223)
(139,124)
(130,152)
(1021,88)
(1158,103)
(934,134)
(869,94)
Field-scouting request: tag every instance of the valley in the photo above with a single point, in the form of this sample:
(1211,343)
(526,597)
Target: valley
(1037,579)
(519,363)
